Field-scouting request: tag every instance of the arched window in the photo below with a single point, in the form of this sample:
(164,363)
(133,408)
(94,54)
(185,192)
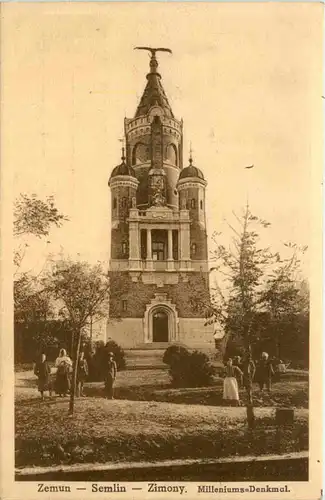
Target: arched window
(193,249)
(193,203)
(124,248)
(171,154)
(124,202)
(124,305)
(201,204)
(114,203)
(140,153)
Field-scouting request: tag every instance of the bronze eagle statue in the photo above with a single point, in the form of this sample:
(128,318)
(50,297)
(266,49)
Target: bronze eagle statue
(153,51)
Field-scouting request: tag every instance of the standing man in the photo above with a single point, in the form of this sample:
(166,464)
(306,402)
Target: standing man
(110,375)
(264,372)
(82,374)
(248,368)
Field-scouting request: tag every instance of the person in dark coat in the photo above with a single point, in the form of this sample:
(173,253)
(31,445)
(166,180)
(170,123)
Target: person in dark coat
(82,374)
(110,375)
(42,371)
(264,372)
(248,368)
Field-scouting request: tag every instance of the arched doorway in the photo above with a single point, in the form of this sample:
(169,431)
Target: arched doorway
(160,326)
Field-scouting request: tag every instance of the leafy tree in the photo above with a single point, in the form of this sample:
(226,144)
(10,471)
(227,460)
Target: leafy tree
(248,288)
(33,305)
(82,291)
(34,217)
(32,301)
(282,297)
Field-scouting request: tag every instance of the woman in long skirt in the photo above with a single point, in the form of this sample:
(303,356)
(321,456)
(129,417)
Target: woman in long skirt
(230,384)
(64,367)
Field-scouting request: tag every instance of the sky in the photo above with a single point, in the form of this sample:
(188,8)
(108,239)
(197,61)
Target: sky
(245,78)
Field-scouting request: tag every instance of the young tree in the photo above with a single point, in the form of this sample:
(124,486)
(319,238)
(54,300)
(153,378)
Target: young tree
(248,288)
(82,290)
(243,267)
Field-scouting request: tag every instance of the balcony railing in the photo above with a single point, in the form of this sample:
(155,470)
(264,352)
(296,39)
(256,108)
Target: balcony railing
(158,265)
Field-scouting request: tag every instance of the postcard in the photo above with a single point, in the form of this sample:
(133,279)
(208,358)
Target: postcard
(161,270)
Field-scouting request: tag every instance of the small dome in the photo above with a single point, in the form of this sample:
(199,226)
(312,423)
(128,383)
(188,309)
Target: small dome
(123,169)
(191,171)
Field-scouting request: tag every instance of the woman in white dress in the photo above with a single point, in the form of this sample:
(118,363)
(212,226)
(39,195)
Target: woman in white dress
(230,384)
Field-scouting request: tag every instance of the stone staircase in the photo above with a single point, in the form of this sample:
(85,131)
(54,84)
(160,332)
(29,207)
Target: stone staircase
(145,359)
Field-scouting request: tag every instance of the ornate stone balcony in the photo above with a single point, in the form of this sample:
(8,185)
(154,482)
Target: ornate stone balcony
(158,265)
(158,214)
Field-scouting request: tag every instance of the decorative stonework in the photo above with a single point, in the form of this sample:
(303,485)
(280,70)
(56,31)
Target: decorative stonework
(159,279)
(190,182)
(123,180)
(161,302)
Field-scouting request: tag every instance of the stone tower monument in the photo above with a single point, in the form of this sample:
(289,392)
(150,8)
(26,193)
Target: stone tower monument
(159,256)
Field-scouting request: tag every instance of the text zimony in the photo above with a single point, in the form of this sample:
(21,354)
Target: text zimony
(248,489)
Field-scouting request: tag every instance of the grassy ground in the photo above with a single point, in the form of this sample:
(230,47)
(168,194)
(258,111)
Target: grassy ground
(144,423)
(154,385)
(103,430)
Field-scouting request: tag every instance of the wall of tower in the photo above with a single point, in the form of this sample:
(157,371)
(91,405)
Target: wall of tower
(141,155)
(120,241)
(121,201)
(193,332)
(188,296)
(194,199)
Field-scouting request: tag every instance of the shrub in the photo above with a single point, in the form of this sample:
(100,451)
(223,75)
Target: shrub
(188,369)
(173,353)
(97,360)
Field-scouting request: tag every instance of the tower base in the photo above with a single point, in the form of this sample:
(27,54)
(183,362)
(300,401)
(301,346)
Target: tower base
(139,333)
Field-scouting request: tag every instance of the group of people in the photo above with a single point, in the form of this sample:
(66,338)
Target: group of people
(238,373)
(61,385)
(241,373)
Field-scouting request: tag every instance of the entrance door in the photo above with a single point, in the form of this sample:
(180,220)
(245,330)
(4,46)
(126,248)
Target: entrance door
(160,326)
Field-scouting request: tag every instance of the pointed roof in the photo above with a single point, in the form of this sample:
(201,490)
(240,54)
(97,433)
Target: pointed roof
(154,94)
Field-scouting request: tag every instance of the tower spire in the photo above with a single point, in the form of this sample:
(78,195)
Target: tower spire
(153,60)
(122,141)
(191,154)
(154,93)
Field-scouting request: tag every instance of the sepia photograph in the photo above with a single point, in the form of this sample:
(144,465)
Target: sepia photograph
(162,181)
